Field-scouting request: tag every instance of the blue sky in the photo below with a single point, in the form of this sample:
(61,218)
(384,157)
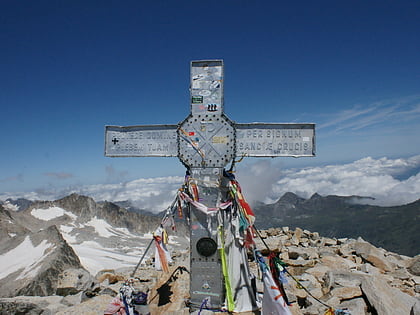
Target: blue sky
(68,68)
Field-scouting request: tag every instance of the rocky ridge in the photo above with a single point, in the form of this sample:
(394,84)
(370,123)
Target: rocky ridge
(50,237)
(395,228)
(343,273)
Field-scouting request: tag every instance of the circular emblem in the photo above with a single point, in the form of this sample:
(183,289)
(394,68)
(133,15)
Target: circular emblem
(206,246)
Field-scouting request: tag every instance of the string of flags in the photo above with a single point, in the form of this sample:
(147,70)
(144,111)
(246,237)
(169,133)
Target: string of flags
(273,275)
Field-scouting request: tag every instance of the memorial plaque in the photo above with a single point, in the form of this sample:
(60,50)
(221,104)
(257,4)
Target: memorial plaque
(271,140)
(151,140)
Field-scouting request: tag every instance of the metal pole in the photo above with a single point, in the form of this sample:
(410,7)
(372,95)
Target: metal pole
(141,259)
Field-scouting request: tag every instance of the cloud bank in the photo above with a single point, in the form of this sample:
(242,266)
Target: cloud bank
(389,181)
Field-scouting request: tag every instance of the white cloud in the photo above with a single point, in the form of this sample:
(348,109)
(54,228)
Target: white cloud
(153,194)
(378,178)
(387,112)
(390,181)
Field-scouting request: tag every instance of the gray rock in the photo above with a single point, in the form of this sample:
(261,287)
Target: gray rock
(346,279)
(304,253)
(373,255)
(71,300)
(329,241)
(72,281)
(415,310)
(354,306)
(414,267)
(385,299)
(32,305)
(346,293)
(15,307)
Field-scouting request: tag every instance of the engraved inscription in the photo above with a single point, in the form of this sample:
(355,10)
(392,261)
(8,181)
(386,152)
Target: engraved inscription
(265,141)
(141,141)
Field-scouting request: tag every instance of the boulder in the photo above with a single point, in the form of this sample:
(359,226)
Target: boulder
(346,293)
(318,272)
(338,263)
(31,305)
(305,253)
(414,266)
(373,255)
(385,299)
(329,241)
(346,279)
(93,306)
(22,307)
(109,278)
(72,281)
(415,310)
(355,306)
(297,236)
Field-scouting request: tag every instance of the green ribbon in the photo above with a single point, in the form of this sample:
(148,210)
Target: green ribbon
(229,296)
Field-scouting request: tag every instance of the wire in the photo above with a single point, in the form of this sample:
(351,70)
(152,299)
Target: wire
(296,280)
(151,241)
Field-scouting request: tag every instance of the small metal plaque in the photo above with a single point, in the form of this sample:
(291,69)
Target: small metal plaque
(207,87)
(153,140)
(271,140)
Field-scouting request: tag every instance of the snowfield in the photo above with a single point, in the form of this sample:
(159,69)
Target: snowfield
(51,213)
(107,247)
(25,256)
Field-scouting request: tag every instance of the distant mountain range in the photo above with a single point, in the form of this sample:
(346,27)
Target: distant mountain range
(394,228)
(41,239)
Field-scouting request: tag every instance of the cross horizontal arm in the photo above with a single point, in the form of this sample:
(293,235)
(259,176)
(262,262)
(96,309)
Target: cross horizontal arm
(151,140)
(271,140)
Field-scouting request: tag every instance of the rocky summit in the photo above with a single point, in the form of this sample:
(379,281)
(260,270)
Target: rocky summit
(395,228)
(71,256)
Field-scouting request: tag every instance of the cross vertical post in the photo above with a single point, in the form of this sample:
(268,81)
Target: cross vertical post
(205,142)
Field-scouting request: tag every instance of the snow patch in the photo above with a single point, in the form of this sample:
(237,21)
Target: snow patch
(101,227)
(65,231)
(51,213)
(9,206)
(26,256)
(95,257)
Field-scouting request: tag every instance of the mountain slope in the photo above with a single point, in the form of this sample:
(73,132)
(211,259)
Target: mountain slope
(103,235)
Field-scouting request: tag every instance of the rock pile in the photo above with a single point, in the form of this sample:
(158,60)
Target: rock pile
(346,274)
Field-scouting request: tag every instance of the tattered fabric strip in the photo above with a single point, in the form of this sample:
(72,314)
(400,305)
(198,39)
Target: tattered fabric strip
(203,208)
(273,301)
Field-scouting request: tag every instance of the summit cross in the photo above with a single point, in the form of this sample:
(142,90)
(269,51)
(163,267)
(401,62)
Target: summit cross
(205,142)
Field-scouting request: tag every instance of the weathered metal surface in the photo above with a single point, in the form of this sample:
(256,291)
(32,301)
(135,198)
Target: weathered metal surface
(206,137)
(152,140)
(206,271)
(271,140)
(207,141)
(206,87)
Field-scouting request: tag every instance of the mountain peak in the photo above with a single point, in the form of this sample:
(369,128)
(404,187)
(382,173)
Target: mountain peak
(316,196)
(290,198)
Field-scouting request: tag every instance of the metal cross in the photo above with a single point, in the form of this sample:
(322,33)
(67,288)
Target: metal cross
(205,142)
